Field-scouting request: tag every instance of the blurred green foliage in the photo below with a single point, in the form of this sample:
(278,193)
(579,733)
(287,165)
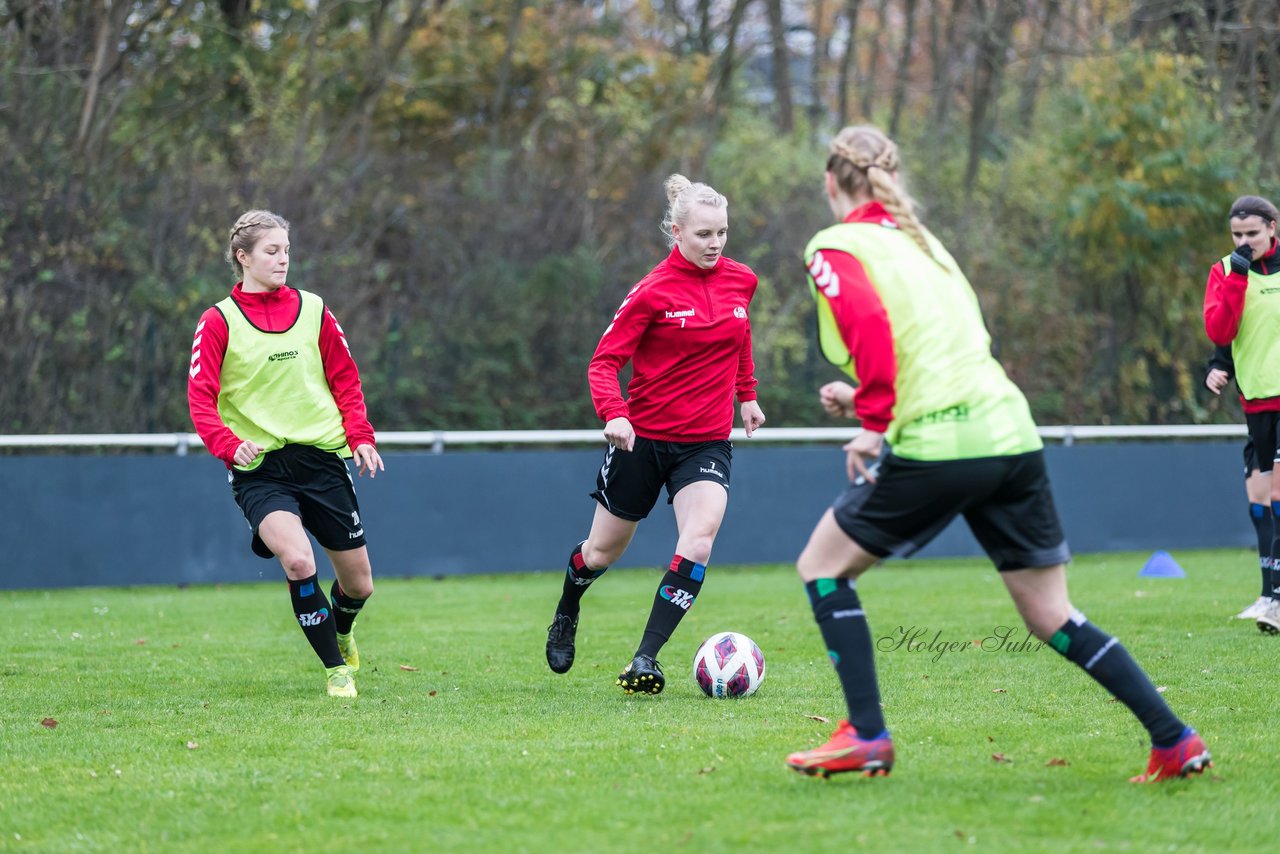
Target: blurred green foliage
(474,186)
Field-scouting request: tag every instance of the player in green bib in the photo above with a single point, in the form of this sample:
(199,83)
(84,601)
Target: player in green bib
(275,394)
(945,433)
(1242,312)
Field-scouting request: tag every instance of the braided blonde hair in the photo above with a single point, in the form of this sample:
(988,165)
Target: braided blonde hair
(681,194)
(863,161)
(247,230)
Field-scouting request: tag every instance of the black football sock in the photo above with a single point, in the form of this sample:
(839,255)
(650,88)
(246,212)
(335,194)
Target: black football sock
(1107,661)
(577,578)
(312,611)
(676,593)
(844,628)
(345,608)
(1274,564)
(1263,520)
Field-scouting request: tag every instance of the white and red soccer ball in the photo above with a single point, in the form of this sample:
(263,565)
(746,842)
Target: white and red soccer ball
(728,664)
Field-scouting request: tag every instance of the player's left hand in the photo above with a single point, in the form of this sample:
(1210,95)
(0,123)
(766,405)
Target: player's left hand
(837,399)
(368,460)
(864,448)
(752,416)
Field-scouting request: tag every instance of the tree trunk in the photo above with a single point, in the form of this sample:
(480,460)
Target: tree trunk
(904,67)
(818,63)
(873,61)
(847,64)
(988,75)
(781,67)
(945,59)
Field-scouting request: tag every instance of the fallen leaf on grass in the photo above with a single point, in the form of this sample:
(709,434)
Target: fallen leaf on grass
(410,668)
(960,834)
(1000,757)
(192,745)
(990,739)
(48,723)
(141,641)
(999,691)
(709,769)
(431,693)
(1056,761)
(819,718)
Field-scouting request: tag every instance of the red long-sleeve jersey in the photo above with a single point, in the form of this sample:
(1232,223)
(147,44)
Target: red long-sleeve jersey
(864,326)
(1224,306)
(272,311)
(687,335)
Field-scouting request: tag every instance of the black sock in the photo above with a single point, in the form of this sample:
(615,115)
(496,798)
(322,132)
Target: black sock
(1263,520)
(838,611)
(577,578)
(345,608)
(312,611)
(1274,564)
(1107,661)
(675,596)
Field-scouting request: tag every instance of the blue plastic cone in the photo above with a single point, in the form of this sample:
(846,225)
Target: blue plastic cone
(1162,565)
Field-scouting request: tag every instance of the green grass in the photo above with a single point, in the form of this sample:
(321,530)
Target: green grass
(196,720)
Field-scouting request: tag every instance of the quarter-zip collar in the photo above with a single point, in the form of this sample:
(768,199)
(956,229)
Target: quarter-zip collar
(677,262)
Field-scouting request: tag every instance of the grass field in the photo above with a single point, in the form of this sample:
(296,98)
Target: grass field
(196,720)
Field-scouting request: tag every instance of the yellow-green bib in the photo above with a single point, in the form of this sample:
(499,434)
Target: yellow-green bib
(274,391)
(1256,348)
(953,399)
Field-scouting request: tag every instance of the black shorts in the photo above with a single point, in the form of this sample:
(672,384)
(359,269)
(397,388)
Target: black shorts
(1250,458)
(1006,501)
(629,482)
(310,483)
(1264,434)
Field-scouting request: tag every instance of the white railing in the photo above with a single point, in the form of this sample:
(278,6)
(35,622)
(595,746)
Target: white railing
(438,440)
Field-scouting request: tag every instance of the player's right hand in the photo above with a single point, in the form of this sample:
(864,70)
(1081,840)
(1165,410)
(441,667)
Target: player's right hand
(246,453)
(1216,380)
(864,449)
(1241,258)
(619,433)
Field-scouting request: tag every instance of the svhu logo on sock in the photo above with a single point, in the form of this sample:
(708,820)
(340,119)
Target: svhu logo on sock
(680,598)
(315,618)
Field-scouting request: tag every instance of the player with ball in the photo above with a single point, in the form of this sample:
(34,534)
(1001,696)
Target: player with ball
(897,314)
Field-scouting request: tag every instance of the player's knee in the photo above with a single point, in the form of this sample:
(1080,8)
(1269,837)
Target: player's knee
(697,548)
(359,590)
(298,564)
(1043,619)
(597,558)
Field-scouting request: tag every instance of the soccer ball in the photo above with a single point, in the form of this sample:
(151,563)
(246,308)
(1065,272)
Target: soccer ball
(728,664)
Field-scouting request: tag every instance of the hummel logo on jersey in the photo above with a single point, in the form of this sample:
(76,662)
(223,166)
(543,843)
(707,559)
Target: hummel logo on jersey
(355,518)
(688,312)
(281,356)
(739,312)
(713,470)
(315,618)
(630,294)
(682,599)
(824,277)
(195,350)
